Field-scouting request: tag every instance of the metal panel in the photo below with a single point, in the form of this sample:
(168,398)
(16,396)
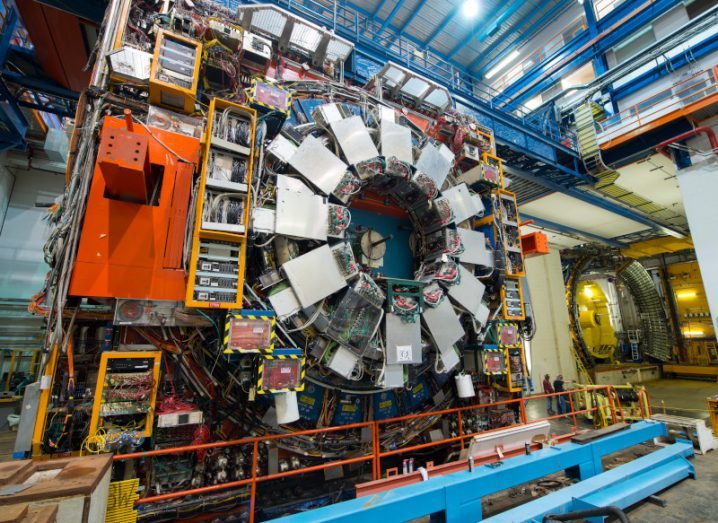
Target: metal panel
(296,199)
(475,250)
(28,413)
(468,292)
(463,203)
(695,183)
(580,215)
(434,164)
(314,275)
(354,139)
(393,376)
(318,164)
(285,303)
(396,141)
(443,324)
(403,340)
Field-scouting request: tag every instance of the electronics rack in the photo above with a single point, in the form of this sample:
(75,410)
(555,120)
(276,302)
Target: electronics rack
(174,74)
(116,369)
(216,275)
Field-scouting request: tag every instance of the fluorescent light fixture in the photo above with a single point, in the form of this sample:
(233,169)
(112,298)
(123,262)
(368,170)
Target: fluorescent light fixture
(513,55)
(693,333)
(686,294)
(470,8)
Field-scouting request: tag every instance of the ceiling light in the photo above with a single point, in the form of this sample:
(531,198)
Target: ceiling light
(686,294)
(693,333)
(470,8)
(503,63)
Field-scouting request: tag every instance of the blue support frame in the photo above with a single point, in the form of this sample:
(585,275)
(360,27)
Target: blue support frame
(698,51)
(621,487)
(560,228)
(443,25)
(594,199)
(480,32)
(572,56)
(546,17)
(459,495)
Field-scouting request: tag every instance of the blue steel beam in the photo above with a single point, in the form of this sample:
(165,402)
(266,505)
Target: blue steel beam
(372,55)
(583,48)
(443,25)
(535,27)
(560,228)
(379,8)
(459,495)
(480,32)
(620,487)
(392,14)
(593,199)
(410,19)
(698,51)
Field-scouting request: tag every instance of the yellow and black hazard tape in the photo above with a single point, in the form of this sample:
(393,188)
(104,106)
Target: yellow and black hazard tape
(250,315)
(503,323)
(254,102)
(506,362)
(285,354)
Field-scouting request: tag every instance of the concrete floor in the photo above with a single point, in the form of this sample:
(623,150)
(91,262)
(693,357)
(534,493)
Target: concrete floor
(681,397)
(693,501)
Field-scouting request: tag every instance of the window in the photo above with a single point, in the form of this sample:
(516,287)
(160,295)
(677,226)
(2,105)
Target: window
(603,7)
(695,8)
(634,44)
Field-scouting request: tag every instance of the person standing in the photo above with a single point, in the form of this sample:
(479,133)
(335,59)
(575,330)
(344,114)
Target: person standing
(560,400)
(548,389)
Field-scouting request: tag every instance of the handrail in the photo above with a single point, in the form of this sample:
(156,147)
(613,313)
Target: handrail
(377,452)
(538,55)
(681,95)
(366,30)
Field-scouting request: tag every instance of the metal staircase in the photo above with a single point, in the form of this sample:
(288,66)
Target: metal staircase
(583,375)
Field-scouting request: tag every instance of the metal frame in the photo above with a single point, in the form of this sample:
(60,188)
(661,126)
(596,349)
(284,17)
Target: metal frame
(459,495)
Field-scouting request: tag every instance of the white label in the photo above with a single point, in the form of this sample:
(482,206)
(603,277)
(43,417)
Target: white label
(285,370)
(206,266)
(403,353)
(258,330)
(45,382)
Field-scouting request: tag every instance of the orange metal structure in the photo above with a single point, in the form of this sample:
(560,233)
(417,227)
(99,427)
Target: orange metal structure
(375,453)
(534,243)
(134,249)
(677,101)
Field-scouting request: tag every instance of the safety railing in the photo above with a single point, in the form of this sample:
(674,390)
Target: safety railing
(350,23)
(517,70)
(658,108)
(379,440)
(604,7)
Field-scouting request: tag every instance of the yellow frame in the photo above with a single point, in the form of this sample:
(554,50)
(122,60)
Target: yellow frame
(501,192)
(41,419)
(485,157)
(504,311)
(99,387)
(217,104)
(157,87)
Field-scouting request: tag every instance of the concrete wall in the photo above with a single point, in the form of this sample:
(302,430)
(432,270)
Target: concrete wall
(24,232)
(550,348)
